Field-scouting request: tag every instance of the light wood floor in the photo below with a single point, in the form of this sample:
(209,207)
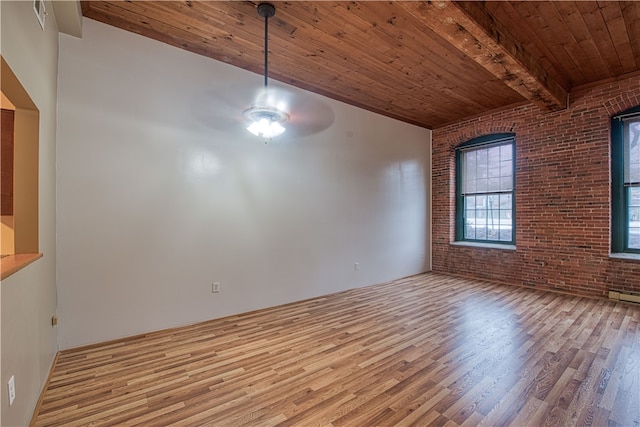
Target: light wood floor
(427,350)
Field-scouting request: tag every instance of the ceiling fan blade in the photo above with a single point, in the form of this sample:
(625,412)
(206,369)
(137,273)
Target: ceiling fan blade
(222,108)
(308,113)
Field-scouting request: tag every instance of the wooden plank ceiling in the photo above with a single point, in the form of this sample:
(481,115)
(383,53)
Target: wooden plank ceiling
(426,63)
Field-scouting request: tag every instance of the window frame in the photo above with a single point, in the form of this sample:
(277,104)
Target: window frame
(475,143)
(619,199)
(24,247)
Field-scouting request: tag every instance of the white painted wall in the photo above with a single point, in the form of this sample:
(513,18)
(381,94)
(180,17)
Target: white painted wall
(29,343)
(156,200)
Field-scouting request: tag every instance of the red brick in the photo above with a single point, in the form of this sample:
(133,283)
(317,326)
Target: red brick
(562,195)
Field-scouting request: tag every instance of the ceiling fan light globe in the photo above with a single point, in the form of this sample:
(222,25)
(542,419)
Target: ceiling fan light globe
(265,122)
(277,128)
(266,128)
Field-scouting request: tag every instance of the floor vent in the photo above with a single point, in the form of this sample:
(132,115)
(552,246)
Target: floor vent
(621,296)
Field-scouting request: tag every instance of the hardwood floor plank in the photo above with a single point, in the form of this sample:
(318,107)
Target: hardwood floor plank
(464,407)
(425,350)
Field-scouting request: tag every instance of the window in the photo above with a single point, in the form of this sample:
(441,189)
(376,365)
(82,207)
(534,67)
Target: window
(625,181)
(485,190)
(19,175)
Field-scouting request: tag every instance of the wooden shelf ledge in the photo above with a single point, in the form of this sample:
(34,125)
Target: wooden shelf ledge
(9,264)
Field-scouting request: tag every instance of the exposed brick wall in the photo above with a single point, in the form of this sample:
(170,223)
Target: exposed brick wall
(562,196)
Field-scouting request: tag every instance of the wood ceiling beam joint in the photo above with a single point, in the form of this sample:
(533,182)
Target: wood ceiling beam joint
(470,28)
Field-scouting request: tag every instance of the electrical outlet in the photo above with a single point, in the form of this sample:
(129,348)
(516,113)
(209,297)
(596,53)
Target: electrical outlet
(356,266)
(12,389)
(215,288)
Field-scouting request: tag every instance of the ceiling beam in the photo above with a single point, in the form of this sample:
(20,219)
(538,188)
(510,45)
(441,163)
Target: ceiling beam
(474,31)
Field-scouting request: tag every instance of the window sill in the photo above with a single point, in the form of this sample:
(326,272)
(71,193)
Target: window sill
(10,264)
(485,245)
(625,256)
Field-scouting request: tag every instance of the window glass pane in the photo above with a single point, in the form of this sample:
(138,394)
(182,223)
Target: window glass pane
(470,224)
(506,183)
(506,173)
(470,202)
(469,185)
(493,217)
(506,152)
(482,185)
(493,184)
(633,236)
(505,201)
(481,202)
(481,171)
(470,217)
(482,162)
(493,161)
(470,231)
(505,217)
(469,171)
(481,217)
(505,230)
(632,151)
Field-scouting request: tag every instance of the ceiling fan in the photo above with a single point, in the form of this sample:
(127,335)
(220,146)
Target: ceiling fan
(267,111)
(266,120)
